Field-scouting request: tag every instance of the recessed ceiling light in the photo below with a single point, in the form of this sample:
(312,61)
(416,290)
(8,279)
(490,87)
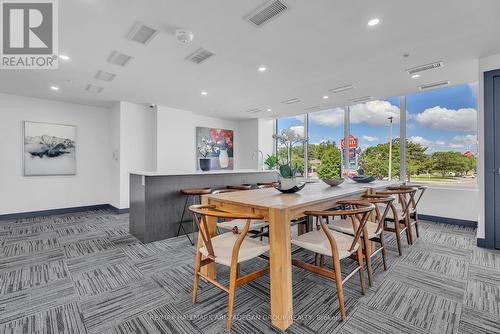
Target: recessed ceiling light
(373,22)
(64,57)
(262,69)
(269,109)
(415,76)
(325,97)
(204,93)
(54,87)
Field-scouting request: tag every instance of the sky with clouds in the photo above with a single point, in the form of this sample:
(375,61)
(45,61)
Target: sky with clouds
(442,119)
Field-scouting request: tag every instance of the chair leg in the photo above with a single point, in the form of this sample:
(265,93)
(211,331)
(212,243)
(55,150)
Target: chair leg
(409,237)
(361,272)
(398,237)
(382,244)
(340,287)
(366,244)
(416,225)
(232,290)
(197,266)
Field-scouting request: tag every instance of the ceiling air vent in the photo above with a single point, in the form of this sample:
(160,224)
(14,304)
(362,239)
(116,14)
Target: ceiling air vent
(199,56)
(426,67)
(119,59)
(267,12)
(342,89)
(141,33)
(362,99)
(254,111)
(312,108)
(291,101)
(434,85)
(93,89)
(105,76)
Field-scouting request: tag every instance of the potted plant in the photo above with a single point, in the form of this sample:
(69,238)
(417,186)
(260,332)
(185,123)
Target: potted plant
(271,161)
(206,147)
(288,138)
(330,168)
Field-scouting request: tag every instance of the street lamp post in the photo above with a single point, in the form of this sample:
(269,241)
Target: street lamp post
(390,147)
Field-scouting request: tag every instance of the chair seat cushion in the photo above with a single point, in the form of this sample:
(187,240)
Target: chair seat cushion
(240,224)
(223,248)
(345,226)
(317,241)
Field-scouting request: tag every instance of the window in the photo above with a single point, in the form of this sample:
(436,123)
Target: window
(374,137)
(442,136)
(295,125)
(325,133)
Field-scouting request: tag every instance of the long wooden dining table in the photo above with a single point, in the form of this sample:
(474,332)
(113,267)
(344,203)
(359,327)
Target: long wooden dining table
(279,209)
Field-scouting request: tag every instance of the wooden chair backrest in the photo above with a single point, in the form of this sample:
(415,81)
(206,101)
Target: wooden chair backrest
(406,196)
(386,201)
(359,214)
(200,214)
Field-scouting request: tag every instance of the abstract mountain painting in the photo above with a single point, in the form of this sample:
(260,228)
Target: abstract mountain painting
(49,149)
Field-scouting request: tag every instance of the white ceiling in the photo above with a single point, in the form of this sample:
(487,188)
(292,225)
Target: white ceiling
(313,47)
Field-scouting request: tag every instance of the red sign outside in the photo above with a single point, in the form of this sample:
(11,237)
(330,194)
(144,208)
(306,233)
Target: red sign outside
(353,142)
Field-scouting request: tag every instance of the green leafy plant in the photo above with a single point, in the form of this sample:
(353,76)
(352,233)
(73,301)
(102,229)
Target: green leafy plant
(271,161)
(330,167)
(287,139)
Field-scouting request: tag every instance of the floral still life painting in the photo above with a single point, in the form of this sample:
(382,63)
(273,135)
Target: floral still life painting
(217,145)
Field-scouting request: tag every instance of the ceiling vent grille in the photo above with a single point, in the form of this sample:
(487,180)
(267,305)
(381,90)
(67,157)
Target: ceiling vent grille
(118,58)
(254,111)
(342,89)
(141,33)
(362,99)
(105,76)
(291,101)
(93,89)
(312,108)
(199,56)
(426,67)
(434,85)
(267,12)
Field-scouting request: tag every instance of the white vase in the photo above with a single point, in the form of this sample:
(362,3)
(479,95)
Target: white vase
(288,183)
(223,159)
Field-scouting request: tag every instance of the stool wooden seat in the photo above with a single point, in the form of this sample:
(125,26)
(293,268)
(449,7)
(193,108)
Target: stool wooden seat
(194,193)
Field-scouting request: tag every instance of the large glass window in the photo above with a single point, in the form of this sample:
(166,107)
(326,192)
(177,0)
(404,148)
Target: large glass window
(442,136)
(326,131)
(295,125)
(374,138)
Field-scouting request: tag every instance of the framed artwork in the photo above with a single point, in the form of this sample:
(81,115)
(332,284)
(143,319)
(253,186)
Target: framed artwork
(215,148)
(49,149)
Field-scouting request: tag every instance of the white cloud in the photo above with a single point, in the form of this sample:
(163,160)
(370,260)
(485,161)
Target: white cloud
(374,113)
(330,117)
(421,140)
(449,119)
(298,130)
(370,139)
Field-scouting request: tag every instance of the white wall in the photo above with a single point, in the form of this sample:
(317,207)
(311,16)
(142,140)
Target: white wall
(266,131)
(90,186)
(134,137)
(485,64)
(249,144)
(450,203)
(176,138)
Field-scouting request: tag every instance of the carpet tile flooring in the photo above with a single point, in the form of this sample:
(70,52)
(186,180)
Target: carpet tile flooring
(84,273)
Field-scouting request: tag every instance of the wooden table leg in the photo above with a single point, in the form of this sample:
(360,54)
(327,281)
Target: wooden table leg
(280,268)
(209,270)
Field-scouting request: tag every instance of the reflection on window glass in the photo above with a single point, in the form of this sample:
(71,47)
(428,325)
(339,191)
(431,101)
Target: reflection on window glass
(442,136)
(293,125)
(374,137)
(326,130)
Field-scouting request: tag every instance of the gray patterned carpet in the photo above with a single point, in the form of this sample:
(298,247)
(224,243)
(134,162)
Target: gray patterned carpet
(83,273)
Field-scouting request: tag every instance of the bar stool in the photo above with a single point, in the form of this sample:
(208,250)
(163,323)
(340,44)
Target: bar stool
(193,193)
(414,203)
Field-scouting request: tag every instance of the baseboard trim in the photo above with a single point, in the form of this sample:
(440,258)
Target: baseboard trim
(446,220)
(52,212)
